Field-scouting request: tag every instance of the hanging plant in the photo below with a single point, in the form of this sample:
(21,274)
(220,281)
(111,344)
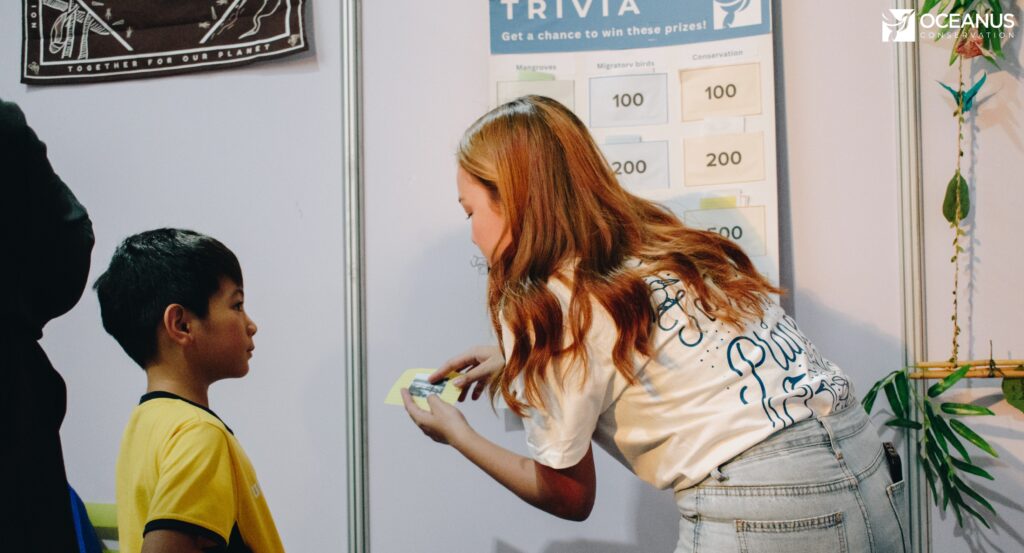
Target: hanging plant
(942,435)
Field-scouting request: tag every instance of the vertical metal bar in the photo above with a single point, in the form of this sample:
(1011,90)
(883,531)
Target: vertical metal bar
(355,316)
(912,263)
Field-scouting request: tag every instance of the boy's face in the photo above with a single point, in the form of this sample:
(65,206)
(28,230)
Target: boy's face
(223,339)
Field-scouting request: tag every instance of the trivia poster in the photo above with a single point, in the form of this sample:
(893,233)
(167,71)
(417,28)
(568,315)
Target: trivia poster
(679,95)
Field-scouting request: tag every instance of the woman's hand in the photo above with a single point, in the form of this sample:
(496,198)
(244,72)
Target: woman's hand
(443,423)
(479,363)
(567,493)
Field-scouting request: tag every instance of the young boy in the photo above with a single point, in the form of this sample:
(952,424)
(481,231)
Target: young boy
(173,299)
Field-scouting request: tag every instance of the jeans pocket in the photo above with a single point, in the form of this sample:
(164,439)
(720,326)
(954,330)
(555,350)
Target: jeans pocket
(898,498)
(824,534)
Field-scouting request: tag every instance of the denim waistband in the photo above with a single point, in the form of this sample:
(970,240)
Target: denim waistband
(827,429)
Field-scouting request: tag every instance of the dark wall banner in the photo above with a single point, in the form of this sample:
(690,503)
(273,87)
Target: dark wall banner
(72,41)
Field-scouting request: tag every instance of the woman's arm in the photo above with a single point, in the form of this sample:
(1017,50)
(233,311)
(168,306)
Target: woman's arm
(566,493)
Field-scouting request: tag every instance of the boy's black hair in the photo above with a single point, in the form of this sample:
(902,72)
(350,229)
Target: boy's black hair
(152,270)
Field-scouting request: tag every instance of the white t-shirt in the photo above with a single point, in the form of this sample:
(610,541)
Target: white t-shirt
(707,394)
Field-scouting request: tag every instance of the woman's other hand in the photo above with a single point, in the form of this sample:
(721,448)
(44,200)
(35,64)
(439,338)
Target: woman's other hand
(477,366)
(443,423)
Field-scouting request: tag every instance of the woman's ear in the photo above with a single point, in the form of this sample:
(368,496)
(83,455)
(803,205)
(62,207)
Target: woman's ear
(177,323)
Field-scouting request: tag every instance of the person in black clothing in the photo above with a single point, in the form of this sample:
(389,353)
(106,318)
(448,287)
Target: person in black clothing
(45,242)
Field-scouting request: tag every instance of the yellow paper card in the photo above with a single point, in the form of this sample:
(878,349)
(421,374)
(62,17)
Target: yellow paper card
(415,380)
(535,76)
(718,202)
(563,91)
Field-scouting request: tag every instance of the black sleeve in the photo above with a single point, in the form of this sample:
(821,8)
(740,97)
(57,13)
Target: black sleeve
(46,236)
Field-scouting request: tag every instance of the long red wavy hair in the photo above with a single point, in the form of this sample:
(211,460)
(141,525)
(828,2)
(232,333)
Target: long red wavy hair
(568,218)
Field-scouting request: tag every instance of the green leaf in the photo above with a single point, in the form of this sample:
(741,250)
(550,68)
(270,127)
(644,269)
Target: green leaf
(937,458)
(930,476)
(939,439)
(948,382)
(904,423)
(973,469)
(997,8)
(957,500)
(1013,391)
(995,41)
(869,400)
(942,469)
(972,437)
(965,409)
(934,421)
(997,47)
(894,400)
(974,495)
(928,5)
(956,184)
(966,5)
(939,424)
(903,390)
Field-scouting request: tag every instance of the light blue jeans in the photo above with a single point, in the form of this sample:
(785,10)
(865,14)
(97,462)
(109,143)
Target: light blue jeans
(821,485)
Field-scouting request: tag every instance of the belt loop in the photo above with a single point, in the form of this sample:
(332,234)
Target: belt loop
(831,437)
(716,473)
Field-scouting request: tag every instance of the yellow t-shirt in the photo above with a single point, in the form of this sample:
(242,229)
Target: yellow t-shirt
(181,468)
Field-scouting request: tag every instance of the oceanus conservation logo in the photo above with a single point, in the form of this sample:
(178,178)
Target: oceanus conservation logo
(902,25)
(899,26)
(736,13)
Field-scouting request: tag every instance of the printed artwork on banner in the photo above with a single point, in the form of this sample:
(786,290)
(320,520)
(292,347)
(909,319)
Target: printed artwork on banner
(72,41)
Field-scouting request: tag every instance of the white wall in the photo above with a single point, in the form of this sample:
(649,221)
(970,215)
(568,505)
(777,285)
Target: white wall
(839,189)
(991,303)
(252,157)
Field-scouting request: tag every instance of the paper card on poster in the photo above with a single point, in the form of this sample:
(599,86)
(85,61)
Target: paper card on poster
(723,158)
(639,165)
(562,91)
(723,125)
(721,91)
(719,202)
(529,75)
(628,100)
(743,225)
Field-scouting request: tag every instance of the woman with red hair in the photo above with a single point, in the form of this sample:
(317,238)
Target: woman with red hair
(618,324)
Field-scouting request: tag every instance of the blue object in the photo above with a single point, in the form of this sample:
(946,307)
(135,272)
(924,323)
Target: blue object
(88,541)
(968,96)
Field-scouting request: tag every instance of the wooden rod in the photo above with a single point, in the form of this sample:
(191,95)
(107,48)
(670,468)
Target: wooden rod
(973,373)
(973,363)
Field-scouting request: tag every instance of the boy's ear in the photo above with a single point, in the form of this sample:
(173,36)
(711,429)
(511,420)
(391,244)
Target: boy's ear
(178,323)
